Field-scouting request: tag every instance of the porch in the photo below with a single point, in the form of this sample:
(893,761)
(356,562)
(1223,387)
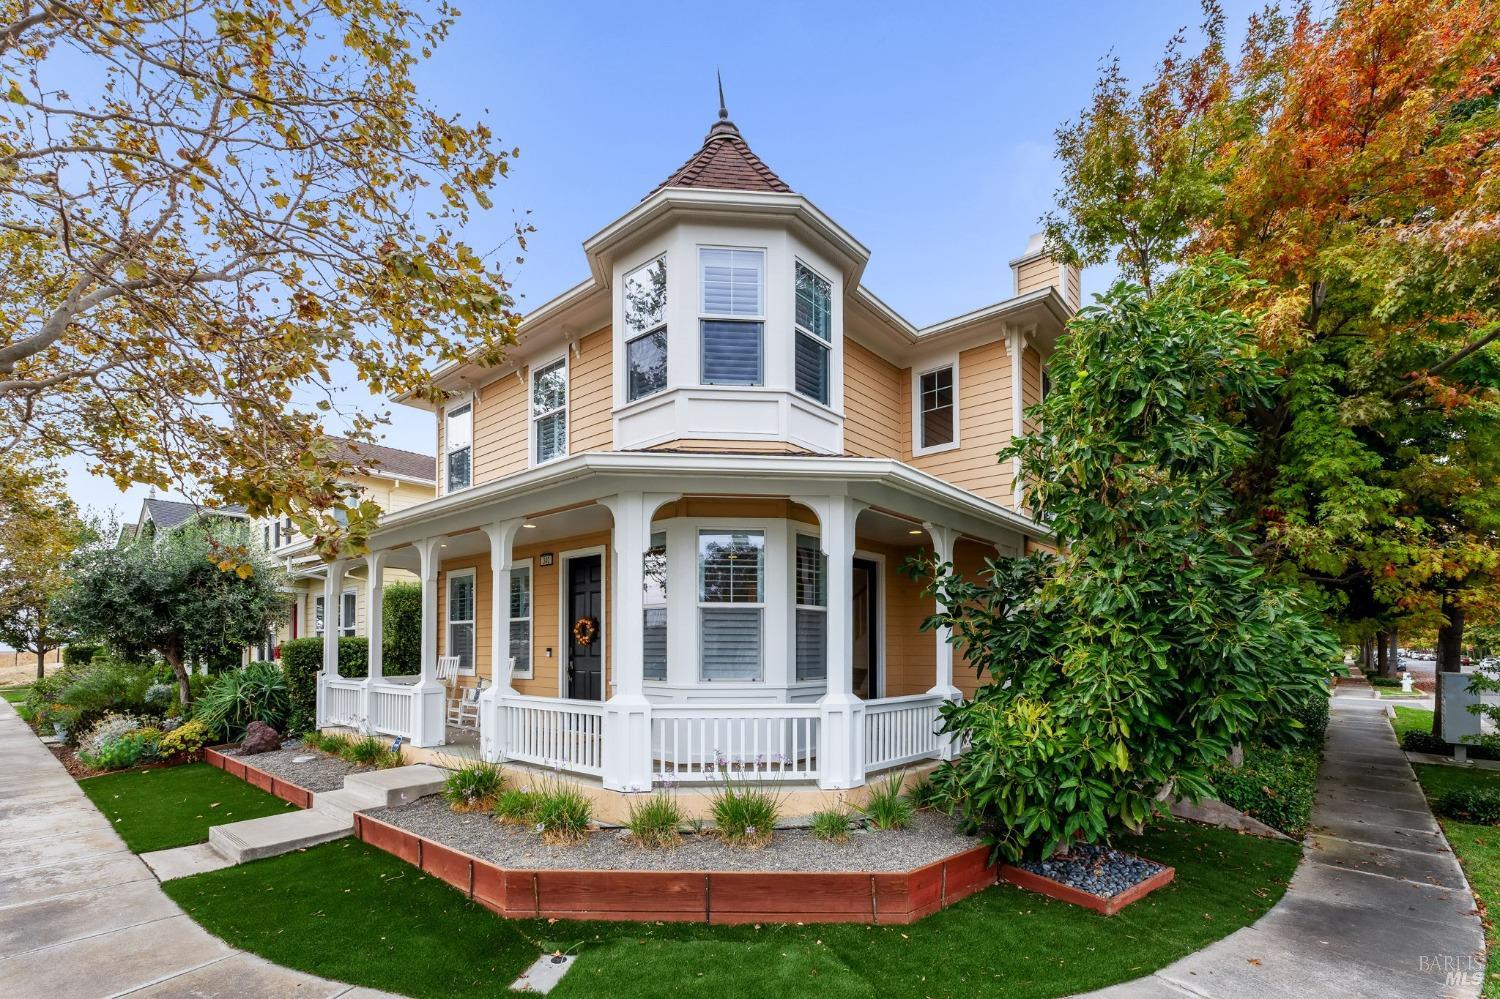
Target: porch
(649,638)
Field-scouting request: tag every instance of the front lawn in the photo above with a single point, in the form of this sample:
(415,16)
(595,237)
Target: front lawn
(163,807)
(1411,720)
(15,696)
(1477,848)
(348,911)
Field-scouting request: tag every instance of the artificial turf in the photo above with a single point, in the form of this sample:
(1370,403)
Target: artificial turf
(1477,848)
(347,911)
(161,807)
(15,695)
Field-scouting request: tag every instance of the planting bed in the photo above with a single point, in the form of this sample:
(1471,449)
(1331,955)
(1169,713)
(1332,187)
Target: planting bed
(1095,877)
(266,780)
(321,773)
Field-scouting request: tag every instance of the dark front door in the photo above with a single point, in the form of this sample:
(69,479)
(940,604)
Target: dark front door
(866,613)
(586,603)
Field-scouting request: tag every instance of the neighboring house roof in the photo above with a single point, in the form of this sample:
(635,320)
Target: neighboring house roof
(376,458)
(725,162)
(167,514)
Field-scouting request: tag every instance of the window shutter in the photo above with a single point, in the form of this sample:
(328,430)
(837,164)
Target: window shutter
(731,643)
(812,368)
(731,282)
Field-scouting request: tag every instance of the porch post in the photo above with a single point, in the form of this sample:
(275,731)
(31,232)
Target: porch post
(333,585)
(943,540)
(841,759)
(374,626)
(502,537)
(429,713)
(627,713)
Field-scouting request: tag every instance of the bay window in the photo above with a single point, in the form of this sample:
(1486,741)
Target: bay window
(520,619)
(731,603)
(461,619)
(814,334)
(732,320)
(811,588)
(549,411)
(645,310)
(938,414)
(654,609)
(458,446)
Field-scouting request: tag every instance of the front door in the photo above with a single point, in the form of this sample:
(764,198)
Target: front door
(866,628)
(585,636)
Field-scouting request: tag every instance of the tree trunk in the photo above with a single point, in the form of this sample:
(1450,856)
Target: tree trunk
(41,664)
(1450,640)
(1395,651)
(1383,654)
(179,670)
(1366,655)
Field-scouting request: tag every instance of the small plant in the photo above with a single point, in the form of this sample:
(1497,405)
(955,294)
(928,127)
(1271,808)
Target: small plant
(235,699)
(832,824)
(130,749)
(160,696)
(655,822)
(368,751)
(745,813)
(473,786)
(106,730)
(513,805)
(1479,805)
(561,813)
(925,793)
(887,807)
(188,739)
(1418,741)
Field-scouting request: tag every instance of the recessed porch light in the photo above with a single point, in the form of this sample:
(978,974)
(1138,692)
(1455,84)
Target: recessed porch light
(916,531)
(529,527)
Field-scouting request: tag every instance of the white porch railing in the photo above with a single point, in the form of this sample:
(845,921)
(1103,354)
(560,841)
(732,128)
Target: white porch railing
(552,732)
(343,697)
(901,730)
(392,706)
(700,742)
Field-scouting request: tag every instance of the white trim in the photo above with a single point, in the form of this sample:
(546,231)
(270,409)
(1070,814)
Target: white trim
(546,361)
(458,402)
(881,624)
(564,632)
(350,630)
(835,336)
(530,670)
(449,576)
(759,317)
(318,627)
(917,372)
(700,527)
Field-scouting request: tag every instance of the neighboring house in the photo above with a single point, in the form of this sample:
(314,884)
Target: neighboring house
(160,517)
(693,486)
(392,478)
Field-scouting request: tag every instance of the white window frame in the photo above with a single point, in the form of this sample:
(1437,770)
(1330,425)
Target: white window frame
(456,404)
(348,630)
(319,615)
(700,604)
(799,331)
(531,414)
(664,603)
(449,621)
(523,671)
(800,530)
(759,318)
(629,336)
(950,361)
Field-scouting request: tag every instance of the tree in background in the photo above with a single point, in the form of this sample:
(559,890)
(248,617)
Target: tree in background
(208,207)
(198,594)
(1129,664)
(40,532)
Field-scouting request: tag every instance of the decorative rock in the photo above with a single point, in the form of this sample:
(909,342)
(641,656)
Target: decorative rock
(303,759)
(1098,870)
(260,738)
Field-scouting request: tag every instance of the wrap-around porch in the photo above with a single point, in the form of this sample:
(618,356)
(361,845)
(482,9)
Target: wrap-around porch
(649,637)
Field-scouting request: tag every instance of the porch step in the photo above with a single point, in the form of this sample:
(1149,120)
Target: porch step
(343,803)
(253,839)
(398,785)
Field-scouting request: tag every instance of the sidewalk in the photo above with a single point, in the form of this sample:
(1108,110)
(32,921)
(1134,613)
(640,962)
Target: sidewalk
(1379,906)
(81,916)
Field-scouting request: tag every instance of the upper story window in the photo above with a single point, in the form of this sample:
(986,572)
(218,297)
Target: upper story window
(458,446)
(732,316)
(814,335)
(645,312)
(549,410)
(731,600)
(937,424)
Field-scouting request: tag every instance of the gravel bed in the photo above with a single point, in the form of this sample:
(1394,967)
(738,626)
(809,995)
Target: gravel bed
(321,773)
(931,837)
(1098,870)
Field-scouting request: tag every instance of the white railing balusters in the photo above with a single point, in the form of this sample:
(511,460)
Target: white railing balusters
(901,730)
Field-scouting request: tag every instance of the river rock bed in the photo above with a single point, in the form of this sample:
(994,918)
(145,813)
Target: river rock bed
(321,773)
(1098,870)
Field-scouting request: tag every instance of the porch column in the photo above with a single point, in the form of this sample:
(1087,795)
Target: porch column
(429,713)
(841,758)
(374,627)
(333,585)
(627,713)
(943,540)
(502,537)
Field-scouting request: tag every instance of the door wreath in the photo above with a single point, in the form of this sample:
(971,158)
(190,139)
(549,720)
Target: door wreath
(585,630)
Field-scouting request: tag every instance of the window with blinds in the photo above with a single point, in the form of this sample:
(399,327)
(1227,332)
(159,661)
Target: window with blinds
(458,446)
(814,334)
(812,609)
(731,594)
(549,410)
(461,619)
(732,327)
(347,612)
(645,310)
(654,604)
(937,411)
(520,619)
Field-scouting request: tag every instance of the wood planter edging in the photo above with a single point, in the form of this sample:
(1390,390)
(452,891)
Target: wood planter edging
(263,779)
(1043,885)
(721,897)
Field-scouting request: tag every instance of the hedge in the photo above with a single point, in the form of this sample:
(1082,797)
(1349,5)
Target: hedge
(402,629)
(301,659)
(79,653)
(1274,785)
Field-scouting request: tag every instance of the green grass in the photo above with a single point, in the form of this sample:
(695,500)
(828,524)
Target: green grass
(1387,692)
(1411,720)
(15,695)
(163,807)
(347,911)
(1477,848)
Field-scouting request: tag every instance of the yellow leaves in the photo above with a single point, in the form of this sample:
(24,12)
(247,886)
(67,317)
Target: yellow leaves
(280,200)
(14,94)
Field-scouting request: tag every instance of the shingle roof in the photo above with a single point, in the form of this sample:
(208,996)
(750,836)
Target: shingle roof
(167,514)
(376,458)
(725,162)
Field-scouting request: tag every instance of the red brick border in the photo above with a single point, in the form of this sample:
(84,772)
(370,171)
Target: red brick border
(266,781)
(1067,893)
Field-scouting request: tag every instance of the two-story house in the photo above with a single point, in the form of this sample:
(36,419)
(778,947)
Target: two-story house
(670,529)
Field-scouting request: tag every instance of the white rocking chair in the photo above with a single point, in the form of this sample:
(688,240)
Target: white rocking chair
(463,710)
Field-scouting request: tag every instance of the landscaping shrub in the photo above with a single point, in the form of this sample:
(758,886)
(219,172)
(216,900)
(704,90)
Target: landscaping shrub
(369,751)
(354,657)
(105,730)
(106,685)
(128,750)
(514,805)
(887,807)
(301,659)
(401,622)
(233,700)
(1276,786)
(1418,741)
(744,812)
(832,825)
(1479,805)
(159,697)
(655,821)
(561,813)
(80,653)
(186,739)
(474,786)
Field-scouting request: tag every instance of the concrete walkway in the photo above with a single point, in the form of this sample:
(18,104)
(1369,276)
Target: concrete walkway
(81,916)
(1379,906)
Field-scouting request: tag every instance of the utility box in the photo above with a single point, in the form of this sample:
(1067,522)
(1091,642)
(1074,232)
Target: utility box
(1459,723)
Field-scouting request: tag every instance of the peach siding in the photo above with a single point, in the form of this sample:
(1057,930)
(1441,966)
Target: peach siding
(910,653)
(984,426)
(1031,383)
(591,394)
(872,425)
(500,429)
(1036,274)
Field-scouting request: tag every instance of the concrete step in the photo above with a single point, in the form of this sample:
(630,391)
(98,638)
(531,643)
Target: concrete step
(253,839)
(343,803)
(398,785)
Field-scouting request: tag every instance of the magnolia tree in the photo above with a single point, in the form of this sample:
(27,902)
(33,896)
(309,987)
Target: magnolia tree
(195,594)
(1129,664)
(211,208)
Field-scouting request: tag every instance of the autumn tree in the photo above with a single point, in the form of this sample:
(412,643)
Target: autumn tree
(40,533)
(208,208)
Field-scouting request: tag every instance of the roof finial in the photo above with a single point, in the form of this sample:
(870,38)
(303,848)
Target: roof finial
(723,111)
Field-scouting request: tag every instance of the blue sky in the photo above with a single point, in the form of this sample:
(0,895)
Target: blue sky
(926,131)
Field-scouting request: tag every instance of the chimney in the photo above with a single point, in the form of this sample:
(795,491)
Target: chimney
(1035,269)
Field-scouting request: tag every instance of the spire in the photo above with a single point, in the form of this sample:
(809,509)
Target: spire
(723,126)
(723,111)
(724,161)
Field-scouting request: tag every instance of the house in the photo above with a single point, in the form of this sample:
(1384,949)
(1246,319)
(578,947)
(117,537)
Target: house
(393,478)
(160,517)
(670,530)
